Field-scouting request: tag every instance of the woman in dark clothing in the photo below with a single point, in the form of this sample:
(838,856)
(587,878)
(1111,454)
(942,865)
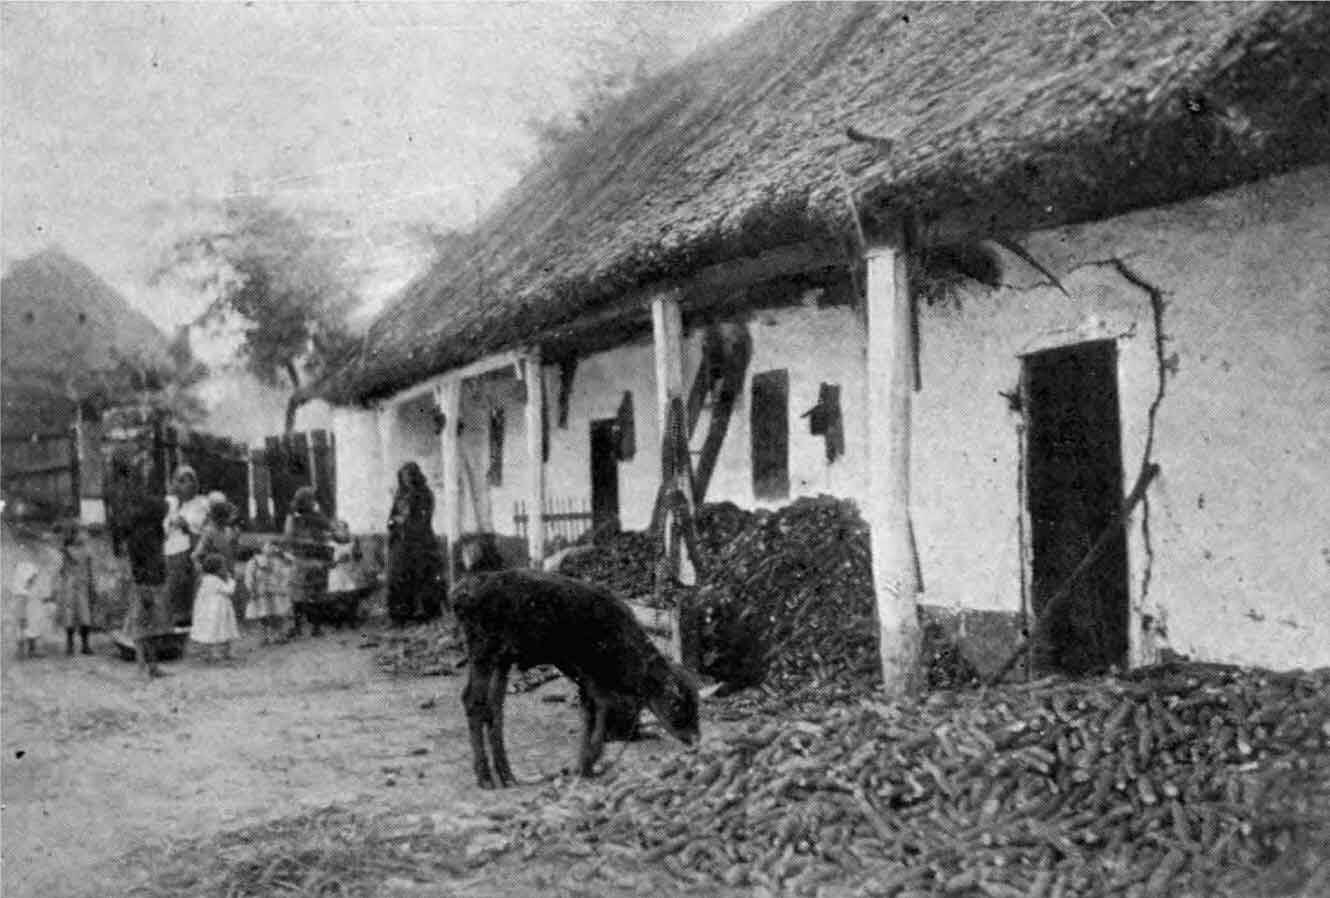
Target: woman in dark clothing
(307,532)
(137,519)
(415,565)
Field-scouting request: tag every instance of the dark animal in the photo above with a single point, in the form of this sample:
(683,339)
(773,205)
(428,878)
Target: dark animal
(525,618)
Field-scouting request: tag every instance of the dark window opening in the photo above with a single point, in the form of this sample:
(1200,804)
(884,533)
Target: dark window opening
(1074,491)
(495,473)
(770,429)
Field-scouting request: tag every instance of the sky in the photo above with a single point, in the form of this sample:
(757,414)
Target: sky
(124,124)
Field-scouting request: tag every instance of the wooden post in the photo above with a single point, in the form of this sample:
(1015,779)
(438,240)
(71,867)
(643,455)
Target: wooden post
(387,470)
(667,332)
(450,401)
(535,457)
(890,378)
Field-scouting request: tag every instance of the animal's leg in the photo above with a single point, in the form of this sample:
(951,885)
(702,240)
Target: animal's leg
(593,736)
(498,689)
(475,699)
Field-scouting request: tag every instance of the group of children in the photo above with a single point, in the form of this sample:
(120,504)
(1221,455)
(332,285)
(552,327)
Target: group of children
(267,582)
(66,599)
(51,595)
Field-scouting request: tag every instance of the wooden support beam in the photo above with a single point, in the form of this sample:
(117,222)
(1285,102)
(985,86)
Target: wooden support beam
(450,403)
(667,331)
(387,422)
(535,456)
(890,370)
(710,286)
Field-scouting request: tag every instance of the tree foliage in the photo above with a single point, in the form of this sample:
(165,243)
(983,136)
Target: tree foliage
(282,278)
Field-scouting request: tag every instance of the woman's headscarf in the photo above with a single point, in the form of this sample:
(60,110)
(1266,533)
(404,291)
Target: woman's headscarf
(182,473)
(411,479)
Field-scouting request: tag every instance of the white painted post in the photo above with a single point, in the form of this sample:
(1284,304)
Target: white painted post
(667,333)
(890,366)
(450,401)
(388,471)
(535,404)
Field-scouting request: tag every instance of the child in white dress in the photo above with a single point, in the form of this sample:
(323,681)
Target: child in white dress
(214,620)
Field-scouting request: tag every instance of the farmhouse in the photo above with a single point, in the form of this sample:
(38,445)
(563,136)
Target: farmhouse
(989,270)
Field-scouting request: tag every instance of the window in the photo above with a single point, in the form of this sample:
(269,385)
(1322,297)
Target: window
(770,429)
(495,473)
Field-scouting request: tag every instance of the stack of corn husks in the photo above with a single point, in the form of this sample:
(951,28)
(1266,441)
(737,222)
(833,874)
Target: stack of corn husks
(1187,781)
(434,649)
(792,588)
(424,651)
(621,562)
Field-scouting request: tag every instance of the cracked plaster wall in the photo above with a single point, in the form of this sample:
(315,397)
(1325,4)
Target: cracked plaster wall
(1235,564)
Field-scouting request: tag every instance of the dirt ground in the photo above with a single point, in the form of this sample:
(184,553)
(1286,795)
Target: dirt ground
(98,762)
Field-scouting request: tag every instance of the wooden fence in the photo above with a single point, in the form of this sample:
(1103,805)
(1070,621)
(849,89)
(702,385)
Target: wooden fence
(44,470)
(284,465)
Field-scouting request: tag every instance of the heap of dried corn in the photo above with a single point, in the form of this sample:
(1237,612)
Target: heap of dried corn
(424,651)
(622,562)
(435,650)
(1191,781)
(793,587)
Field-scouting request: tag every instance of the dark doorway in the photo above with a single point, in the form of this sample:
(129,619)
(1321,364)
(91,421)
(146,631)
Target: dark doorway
(1074,491)
(604,472)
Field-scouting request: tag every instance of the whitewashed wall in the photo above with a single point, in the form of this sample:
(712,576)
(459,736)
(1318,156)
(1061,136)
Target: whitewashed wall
(813,346)
(1238,555)
(361,490)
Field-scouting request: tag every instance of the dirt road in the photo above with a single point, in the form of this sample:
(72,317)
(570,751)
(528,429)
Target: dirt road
(98,762)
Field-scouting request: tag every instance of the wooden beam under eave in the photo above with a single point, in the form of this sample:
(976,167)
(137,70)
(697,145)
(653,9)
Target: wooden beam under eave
(667,336)
(713,285)
(890,364)
(535,456)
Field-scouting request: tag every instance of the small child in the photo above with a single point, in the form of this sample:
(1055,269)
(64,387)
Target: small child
(267,579)
(342,577)
(214,619)
(35,607)
(75,589)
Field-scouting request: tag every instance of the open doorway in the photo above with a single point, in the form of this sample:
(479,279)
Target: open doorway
(604,472)
(1073,485)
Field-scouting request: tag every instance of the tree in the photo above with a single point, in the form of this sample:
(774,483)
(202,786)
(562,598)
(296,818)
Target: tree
(283,279)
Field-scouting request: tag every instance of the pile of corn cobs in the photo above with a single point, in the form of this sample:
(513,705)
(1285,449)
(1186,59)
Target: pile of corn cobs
(1180,781)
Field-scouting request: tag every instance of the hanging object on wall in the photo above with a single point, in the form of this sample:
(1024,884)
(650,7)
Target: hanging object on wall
(495,473)
(567,370)
(626,428)
(824,420)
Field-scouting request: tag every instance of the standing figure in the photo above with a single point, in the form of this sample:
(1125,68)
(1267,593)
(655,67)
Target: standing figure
(307,532)
(75,592)
(214,619)
(267,580)
(218,537)
(139,520)
(34,606)
(185,515)
(415,564)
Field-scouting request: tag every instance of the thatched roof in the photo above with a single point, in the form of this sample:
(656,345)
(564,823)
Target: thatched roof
(1001,117)
(62,328)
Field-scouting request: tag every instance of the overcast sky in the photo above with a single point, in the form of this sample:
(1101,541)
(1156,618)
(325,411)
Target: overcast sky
(121,121)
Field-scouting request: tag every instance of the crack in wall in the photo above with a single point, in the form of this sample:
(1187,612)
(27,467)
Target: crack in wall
(1164,366)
